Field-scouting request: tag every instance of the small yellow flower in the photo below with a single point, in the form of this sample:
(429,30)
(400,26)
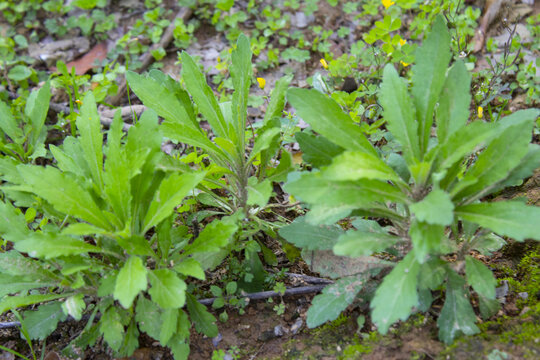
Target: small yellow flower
(404,63)
(387,3)
(78,102)
(402,42)
(480,112)
(324,64)
(262,82)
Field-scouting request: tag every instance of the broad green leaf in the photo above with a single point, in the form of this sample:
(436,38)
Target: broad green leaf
(241,77)
(160,99)
(135,245)
(436,208)
(334,299)
(43,321)
(14,302)
(204,321)
(170,194)
(480,277)
(203,95)
(167,289)
(426,239)
(91,138)
(51,245)
(507,218)
(8,124)
(489,243)
(131,280)
(432,274)
(355,165)
(263,142)
(74,306)
(14,264)
(399,114)
(328,119)
(463,142)
(453,110)
(118,173)
(179,348)
(457,315)
(277,99)
(311,237)
(131,340)
(12,225)
(357,243)
(313,188)
(169,324)
(387,306)
(190,267)
(317,150)
(112,329)
(488,307)
(495,163)
(148,316)
(182,133)
(82,229)
(259,193)
(529,163)
(19,73)
(37,107)
(63,192)
(12,284)
(215,236)
(428,78)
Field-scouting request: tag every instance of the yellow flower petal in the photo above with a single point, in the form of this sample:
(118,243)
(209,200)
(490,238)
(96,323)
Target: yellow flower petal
(324,64)
(387,3)
(78,102)
(402,42)
(404,63)
(262,82)
(480,112)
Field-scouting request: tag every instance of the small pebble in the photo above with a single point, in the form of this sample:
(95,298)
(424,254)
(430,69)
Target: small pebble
(216,340)
(523,295)
(296,326)
(502,291)
(279,331)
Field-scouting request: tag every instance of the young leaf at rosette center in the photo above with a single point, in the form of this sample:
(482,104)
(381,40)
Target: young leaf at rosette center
(131,280)
(241,71)
(36,109)
(171,192)
(436,208)
(310,237)
(168,290)
(509,218)
(453,110)
(328,119)
(399,114)
(428,77)
(480,277)
(355,165)
(397,294)
(91,138)
(334,299)
(457,315)
(356,243)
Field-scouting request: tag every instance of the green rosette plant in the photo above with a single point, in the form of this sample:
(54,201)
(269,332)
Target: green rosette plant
(241,161)
(107,243)
(424,204)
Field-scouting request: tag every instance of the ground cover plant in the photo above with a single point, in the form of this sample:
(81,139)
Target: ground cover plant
(362,149)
